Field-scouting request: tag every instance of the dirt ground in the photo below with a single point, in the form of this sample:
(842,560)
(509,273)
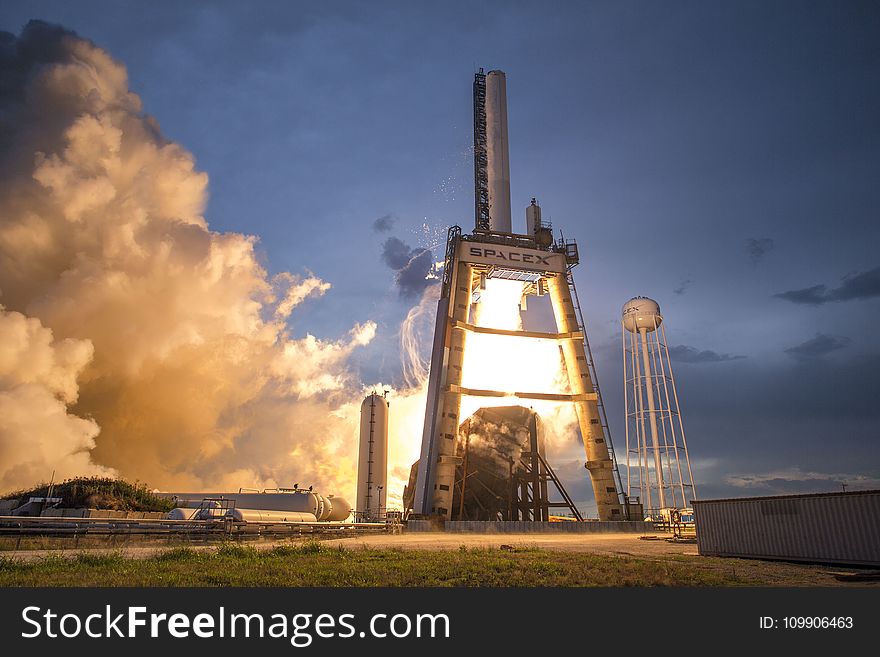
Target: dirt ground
(613,544)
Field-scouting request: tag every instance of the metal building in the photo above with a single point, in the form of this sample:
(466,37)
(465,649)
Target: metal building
(373,458)
(824,527)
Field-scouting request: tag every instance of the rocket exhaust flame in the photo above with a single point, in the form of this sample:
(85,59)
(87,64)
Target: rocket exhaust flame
(511,364)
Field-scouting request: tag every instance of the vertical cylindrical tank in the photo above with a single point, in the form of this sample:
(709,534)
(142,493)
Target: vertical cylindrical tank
(373,457)
(498,152)
(533,217)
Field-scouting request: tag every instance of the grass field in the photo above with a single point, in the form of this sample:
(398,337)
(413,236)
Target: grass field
(316,564)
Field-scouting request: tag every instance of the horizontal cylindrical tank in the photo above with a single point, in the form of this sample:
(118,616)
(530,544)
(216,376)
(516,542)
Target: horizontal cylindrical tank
(324,508)
(267,515)
(340,509)
(183,514)
(304,501)
(641,313)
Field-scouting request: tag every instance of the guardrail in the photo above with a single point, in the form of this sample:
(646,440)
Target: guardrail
(54,525)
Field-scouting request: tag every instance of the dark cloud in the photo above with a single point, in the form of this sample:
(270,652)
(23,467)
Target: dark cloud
(863,285)
(682,287)
(384,223)
(813,296)
(819,346)
(795,480)
(414,266)
(684,354)
(758,247)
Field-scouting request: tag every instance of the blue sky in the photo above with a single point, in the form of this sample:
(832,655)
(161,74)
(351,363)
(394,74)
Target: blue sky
(709,155)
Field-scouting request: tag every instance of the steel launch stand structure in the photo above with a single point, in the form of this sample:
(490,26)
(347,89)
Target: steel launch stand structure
(544,267)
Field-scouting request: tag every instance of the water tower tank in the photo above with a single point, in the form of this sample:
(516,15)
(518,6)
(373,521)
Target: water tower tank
(641,313)
(373,457)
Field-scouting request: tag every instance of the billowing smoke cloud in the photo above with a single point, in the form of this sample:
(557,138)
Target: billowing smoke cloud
(682,286)
(134,337)
(37,383)
(384,223)
(863,285)
(396,253)
(415,267)
(416,338)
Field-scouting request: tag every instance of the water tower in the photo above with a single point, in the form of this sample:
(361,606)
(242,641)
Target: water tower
(658,467)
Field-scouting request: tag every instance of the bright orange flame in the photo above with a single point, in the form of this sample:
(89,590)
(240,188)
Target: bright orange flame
(511,363)
(492,362)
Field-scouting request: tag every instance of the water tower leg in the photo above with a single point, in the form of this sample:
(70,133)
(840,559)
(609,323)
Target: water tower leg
(652,415)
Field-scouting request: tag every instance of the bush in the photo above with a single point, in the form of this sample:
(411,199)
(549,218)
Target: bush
(99,493)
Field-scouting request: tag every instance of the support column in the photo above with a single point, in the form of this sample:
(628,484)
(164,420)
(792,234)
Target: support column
(599,463)
(447,420)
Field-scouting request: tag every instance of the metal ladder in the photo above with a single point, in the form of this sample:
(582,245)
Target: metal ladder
(603,416)
(481,175)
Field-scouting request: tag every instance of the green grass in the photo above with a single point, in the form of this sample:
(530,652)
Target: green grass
(315,564)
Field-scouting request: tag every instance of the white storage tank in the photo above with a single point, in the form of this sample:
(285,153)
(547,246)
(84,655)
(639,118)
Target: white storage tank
(372,458)
(641,313)
(533,218)
(339,509)
(266,515)
(286,500)
(182,514)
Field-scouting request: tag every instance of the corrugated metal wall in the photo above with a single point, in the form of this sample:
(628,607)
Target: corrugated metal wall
(830,527)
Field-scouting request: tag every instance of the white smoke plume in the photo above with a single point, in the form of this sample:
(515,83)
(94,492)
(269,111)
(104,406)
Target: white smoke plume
(37,382)
(416,337)
(135,339)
